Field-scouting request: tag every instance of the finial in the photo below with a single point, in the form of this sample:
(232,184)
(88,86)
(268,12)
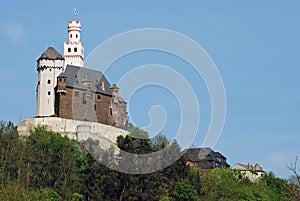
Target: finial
(75,12)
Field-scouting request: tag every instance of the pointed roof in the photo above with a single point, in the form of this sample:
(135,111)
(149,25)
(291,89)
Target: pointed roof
(51,54)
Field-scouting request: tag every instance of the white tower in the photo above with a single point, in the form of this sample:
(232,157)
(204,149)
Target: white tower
(74,50)
(49,66)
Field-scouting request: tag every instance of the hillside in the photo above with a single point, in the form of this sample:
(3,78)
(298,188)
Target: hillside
(47,166)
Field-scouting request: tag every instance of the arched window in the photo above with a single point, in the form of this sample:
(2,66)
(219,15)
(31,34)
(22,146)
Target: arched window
(98,97)
(76,35)
(69,49)
(70,35)
(75,49)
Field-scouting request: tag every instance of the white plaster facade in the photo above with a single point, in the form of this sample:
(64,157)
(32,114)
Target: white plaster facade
(48,70)
(253,173)
(74,49)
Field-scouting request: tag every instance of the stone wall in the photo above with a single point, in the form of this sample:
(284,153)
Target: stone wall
(74,129)
(82,105)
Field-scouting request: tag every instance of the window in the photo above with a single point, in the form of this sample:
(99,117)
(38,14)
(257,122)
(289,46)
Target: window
(110,111)
(49,81)
(98,97)
(84,98)
(69,49)
(76,93)
(75,49)
(76,35)
(95,107)
(49,93)
(70,35)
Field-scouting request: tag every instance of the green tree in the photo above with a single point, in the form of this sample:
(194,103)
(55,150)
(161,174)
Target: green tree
(185,191)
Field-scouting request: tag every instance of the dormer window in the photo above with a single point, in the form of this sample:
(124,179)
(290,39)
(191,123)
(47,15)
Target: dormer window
(102,86)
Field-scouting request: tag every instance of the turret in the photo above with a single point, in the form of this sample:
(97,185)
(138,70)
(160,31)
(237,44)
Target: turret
(49,66)
(73,49)
(115,92)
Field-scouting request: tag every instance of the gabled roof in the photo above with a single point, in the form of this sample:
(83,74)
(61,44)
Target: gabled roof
(51,54)
(198,155)
(77,76)
(248,167)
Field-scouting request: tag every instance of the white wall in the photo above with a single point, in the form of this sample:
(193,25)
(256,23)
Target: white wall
(45,102)
(78,130)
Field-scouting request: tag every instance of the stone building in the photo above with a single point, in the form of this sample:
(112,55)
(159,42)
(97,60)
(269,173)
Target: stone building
(68,90)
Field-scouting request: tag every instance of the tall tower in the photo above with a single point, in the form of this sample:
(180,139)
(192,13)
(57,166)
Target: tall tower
(74,50)
(49,66)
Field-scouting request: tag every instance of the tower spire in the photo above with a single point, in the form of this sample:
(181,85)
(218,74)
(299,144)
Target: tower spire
(75,12)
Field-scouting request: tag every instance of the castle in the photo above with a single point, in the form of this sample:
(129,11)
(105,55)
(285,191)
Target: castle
(68,90)
(73,100)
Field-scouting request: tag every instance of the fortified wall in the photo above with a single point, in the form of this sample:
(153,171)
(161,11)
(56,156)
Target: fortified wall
(74,129)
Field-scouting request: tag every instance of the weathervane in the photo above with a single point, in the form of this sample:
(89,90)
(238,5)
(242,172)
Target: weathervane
(75,12)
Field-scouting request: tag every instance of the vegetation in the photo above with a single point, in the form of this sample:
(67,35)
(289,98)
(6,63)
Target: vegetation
(49,167)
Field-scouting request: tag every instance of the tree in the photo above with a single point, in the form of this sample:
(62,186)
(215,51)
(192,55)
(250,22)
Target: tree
(185,191)
(295,179)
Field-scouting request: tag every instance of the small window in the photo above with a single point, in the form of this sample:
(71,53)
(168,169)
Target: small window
(38,82)
(102,86)
(60,79)
(76,35)
(50,69)
(84,98)
(69,49)
(49,81)
(76,93)
(110,111)
(70,35)
(49,93)
(98,97)
(75,49)
(95,107)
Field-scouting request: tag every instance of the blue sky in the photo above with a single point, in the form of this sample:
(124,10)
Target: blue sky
(254,44)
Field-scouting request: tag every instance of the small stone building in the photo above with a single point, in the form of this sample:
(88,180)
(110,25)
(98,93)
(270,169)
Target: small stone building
(253,172)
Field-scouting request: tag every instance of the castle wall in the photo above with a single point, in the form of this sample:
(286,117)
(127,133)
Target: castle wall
(82,105)
(74,129)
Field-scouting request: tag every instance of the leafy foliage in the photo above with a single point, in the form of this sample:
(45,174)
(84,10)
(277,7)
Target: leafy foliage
(49,167)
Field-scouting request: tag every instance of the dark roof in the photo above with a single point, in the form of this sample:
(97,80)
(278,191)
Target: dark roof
(205,154)
(197,154)
(114,86)
(76,76)
(51,54)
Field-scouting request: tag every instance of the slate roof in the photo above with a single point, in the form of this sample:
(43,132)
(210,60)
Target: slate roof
(205,154)
(249,167)
(51,54)
(76,76)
